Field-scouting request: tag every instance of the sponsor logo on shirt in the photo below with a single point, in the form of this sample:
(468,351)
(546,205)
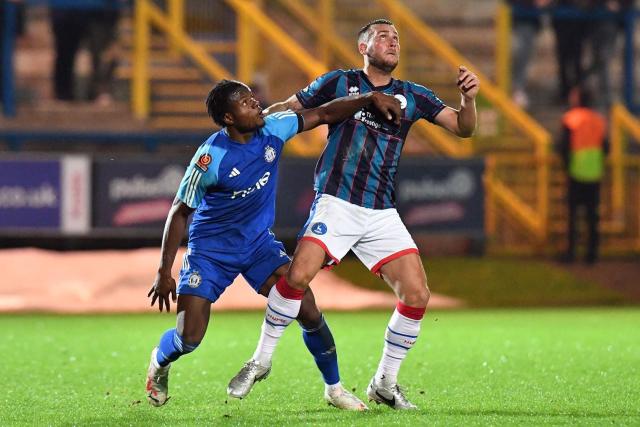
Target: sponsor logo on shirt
(257,186)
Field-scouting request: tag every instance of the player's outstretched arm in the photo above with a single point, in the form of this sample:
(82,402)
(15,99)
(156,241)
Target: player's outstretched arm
(342,108)
(290,104)
(174,228)
(462,122)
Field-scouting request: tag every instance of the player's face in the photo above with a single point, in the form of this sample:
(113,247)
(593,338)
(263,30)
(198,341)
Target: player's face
(383,48)
(246,111)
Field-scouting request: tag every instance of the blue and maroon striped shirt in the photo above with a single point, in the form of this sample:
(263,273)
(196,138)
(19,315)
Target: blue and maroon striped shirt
(360,160)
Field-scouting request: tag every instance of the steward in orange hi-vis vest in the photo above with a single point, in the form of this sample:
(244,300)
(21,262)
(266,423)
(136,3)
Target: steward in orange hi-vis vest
(583,147)
(587,133)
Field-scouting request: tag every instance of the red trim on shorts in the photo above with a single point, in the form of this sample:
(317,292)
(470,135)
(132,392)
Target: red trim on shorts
(287,291)
(323,246)
(391,257)
(415,313)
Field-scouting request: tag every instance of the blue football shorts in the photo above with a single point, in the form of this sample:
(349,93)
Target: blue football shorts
(207,274)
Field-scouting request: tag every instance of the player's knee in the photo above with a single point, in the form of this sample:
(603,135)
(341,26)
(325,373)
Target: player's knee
(299,278)
(418,296)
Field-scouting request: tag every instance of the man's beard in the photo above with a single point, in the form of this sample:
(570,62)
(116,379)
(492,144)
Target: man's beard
(382,65)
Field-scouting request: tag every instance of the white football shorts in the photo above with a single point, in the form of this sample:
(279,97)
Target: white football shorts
(376,236)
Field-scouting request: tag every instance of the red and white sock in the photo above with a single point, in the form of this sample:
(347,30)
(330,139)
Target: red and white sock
(283,306)
(402,332)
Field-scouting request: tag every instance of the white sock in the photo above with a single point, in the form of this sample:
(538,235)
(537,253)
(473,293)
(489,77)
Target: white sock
(279,314)
(400,336)
(333,388)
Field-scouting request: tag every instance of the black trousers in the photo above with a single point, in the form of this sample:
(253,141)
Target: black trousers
(69,27)
(585,194)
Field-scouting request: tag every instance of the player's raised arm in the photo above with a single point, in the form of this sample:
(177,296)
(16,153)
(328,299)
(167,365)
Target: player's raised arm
(292,104)
(174,228)
(462,122)
(342,108)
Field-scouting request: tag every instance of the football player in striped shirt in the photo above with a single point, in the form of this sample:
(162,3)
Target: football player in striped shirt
(230,188)
(355,204)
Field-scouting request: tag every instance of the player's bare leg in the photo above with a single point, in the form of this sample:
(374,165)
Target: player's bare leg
(191,325)
(319,341)
(407,278)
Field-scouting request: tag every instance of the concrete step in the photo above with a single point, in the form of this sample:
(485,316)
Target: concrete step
(177,122)
(180,107)
(163,90)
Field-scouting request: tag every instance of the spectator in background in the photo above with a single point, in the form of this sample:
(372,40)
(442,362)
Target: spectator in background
(583,147)
(570,29)
(101,38)
(69,26)
(526,23)
(603,32)
(94,24)
(19,28)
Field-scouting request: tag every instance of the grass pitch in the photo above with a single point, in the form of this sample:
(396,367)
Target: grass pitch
(499,367)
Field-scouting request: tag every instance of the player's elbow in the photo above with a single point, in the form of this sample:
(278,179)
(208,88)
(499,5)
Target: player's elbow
(465,133)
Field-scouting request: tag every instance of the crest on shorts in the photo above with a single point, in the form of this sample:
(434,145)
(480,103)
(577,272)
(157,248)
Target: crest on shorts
(194,280)
(319,228)
(269,153)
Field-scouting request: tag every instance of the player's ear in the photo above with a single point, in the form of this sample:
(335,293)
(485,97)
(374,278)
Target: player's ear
(228,119)
(362,48)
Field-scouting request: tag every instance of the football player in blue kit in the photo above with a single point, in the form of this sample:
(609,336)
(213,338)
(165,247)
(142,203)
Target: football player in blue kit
(230,188)
(354,207)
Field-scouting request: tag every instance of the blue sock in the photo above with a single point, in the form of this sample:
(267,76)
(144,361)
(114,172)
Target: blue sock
(320,343)
(172,346)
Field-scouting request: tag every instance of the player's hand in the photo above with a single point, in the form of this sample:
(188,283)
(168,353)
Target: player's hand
(388,105)
(162,286)
(468,83)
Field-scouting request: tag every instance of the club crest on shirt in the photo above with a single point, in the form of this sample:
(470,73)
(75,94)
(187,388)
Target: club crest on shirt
(269,153)
(194,280)
(402,99)
(319,228)
(204,161)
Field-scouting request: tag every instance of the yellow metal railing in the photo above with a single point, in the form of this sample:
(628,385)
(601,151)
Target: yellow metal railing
(148,15)
(252,18)
(534,219)
(623,123)
(327,40)
(503,47)
(270,30)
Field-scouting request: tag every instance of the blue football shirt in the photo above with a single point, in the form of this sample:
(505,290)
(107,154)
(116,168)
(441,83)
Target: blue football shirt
(232,186)
(360,161)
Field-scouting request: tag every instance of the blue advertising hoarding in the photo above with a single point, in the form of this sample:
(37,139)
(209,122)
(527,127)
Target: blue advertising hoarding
(30,193)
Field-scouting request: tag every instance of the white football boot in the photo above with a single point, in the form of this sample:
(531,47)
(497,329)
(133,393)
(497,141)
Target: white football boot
(251,373)
(390,395)
(157,381)
(342,399)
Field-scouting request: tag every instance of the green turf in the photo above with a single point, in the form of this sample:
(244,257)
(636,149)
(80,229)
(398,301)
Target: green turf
(498,367)
(495,282)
